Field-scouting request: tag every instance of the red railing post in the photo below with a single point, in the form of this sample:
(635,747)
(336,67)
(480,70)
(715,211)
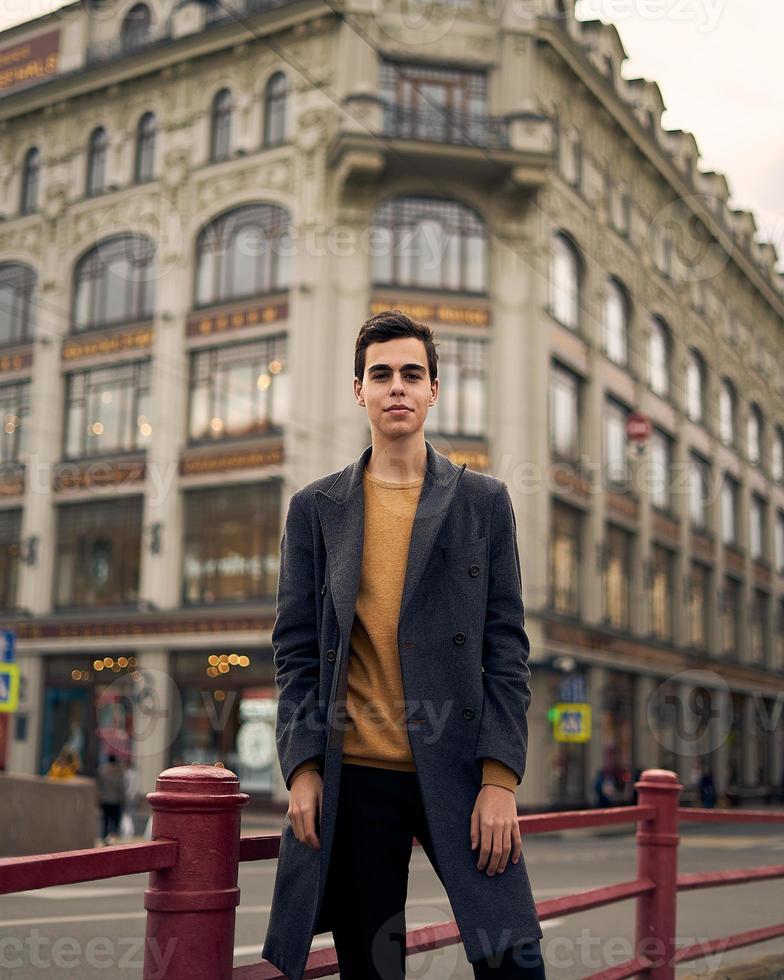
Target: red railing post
(190,907)
(657,860)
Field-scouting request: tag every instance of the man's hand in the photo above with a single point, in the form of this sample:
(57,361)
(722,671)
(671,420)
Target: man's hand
(494,827)
(305,797)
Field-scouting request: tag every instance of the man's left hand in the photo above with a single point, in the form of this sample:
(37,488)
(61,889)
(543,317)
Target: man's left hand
(495,829)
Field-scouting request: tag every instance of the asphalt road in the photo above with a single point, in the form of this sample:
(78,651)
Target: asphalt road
(91,931)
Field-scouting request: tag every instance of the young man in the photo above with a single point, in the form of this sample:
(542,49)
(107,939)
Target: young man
(401,662)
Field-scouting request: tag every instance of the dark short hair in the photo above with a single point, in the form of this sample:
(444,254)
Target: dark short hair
(387,325)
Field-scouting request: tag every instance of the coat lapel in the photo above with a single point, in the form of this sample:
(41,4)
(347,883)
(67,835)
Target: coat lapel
(341,512)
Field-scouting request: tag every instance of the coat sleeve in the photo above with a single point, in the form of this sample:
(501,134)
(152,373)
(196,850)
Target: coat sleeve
(503,732)
(300,731)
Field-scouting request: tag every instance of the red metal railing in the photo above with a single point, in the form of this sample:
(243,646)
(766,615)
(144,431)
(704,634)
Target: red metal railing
(194,859)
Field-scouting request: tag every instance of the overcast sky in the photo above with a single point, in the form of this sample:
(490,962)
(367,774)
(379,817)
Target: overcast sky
(719,67)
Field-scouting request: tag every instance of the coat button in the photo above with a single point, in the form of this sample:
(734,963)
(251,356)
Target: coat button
(468,713)
(459,637)
(473,571)
(324,589)
(331,655)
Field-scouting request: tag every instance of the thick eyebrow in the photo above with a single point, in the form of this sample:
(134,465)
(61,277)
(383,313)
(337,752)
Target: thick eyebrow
(386,367)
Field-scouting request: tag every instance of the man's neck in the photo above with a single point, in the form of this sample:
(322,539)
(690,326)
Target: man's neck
(401,461)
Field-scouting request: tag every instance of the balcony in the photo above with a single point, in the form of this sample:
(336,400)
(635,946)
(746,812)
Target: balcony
(377,138)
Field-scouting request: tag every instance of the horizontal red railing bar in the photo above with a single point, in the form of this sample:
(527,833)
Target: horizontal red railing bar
(262,848)
(19,874)
(593,898)
(735,876)
(630,968)
(728,816)
(738,939)
(539,823)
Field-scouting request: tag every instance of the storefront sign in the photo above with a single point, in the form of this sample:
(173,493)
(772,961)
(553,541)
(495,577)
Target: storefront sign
(192,465)
(477,316)
(16,362)
(9,687)
(28,62)
(12,479)
(474,459)
(114,343)
(129,629)
(251,316)
(100,473)
(571,722)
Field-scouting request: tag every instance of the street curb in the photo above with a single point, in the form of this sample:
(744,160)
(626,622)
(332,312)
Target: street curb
(765,968)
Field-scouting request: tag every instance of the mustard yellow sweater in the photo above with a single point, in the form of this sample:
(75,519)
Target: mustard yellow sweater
(375,732)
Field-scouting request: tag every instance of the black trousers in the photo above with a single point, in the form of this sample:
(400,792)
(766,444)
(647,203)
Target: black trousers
(112,812)
(379,813)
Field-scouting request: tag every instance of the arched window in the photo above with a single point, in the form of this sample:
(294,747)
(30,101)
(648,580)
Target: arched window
(96,161)
(616,322)
(659,358)
(565,282)
(135,28)
(727,403)
(115,283)
(429,243)
(220,143)
(17,309)
(754,434)
(275,110)
(695,386)
(777,455)
(243,253)
(31,171)
(145,148)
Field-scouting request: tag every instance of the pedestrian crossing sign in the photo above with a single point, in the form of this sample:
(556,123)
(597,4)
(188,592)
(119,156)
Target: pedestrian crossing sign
(571,722)
(9,687)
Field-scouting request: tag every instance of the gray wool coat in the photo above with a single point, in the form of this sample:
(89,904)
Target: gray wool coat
(466,697)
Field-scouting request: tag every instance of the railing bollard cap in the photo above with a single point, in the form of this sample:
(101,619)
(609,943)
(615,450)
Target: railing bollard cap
(660,778)
(199,784)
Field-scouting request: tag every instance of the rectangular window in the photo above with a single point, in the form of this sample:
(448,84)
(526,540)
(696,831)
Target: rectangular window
(107,410)
(730,617)
(729,511)
(779,665)
(779,542)
(759,627)
(698,492)
(232,540)
(617,570)
(15,413)
(564,414)
(98,553)
(239,390)
(757,527)
(662,564)
(616,465)
(10,531)
(565,559)
(660,449)
(461,406)
(698,605)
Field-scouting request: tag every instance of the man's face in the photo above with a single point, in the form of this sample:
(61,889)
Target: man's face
(396,373)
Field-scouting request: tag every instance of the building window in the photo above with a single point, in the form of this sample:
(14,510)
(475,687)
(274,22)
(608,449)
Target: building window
(461,406)
(243,253)
(433,102)
(616,464)
(429,243)
(780,635)
(96,161)
(759,627)
(108,410)
(659,358)
(275,95)
(220,128)
(145,148)
(17,309)
(115,283)
(565,559)
(617,571)
(31,173)
(662,564)
(754,435)
(729,511)
(239,389)
(731,617)
(698,605)
(777,456)
(10,532)
(565,282)
(570,153)
(98,551)
(564,414)
(757,527)
(232,538)
(15,415)
(135,28)
(660,483)
(779,542)
(699,488)
(727,408)
(695,387)
(616,322)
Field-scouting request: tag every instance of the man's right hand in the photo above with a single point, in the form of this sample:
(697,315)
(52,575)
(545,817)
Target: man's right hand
(305,797)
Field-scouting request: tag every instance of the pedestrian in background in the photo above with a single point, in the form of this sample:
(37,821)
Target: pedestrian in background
(111,793)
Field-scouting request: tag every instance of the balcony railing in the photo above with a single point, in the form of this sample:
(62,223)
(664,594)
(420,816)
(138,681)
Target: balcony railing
(437,125)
